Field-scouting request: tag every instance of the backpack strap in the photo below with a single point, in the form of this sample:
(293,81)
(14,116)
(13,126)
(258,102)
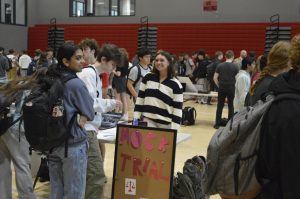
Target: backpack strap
(90,66)
(137,79)
(95,72)
(65,80)
(138,76)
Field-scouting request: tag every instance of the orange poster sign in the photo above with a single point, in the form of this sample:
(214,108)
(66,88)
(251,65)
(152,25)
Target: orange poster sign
(144,163)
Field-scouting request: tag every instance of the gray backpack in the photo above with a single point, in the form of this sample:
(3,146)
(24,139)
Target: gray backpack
(232,151)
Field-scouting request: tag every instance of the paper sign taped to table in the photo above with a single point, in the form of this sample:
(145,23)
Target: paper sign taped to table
(144,162)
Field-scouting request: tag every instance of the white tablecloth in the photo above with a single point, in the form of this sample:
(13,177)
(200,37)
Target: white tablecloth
(109,136)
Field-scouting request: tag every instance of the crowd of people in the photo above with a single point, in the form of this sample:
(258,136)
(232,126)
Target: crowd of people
(150,81)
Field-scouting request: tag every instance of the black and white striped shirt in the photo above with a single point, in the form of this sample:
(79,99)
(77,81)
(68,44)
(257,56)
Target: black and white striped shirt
(160,101)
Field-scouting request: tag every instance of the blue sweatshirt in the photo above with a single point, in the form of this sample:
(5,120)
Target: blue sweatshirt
(77,101)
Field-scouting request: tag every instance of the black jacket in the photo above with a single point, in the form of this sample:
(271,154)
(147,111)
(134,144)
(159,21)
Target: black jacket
(201,70)
(211,68)
(279,153)
(261,91)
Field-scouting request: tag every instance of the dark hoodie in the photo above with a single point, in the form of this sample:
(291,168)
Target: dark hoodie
(261,90)
(77,100)
(279,153)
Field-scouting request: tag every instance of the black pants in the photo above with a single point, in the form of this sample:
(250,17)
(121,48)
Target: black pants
(225,91)
(212,87)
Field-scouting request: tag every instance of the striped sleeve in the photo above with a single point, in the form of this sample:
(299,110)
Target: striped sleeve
(161,101)
(177,105)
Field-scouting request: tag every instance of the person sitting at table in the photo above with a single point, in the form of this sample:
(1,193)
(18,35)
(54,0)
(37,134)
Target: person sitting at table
(160,98)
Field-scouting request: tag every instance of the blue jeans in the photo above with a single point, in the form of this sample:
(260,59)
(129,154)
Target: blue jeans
(68,174)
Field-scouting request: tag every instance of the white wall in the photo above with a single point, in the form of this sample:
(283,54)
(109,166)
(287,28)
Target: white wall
(33,12)
(159,11)
(180,11)
(20,12)
(13,37)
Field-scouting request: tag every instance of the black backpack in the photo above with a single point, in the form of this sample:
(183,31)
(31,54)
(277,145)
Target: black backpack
(44,115)
(189,115)
(188,185)
(6,113)
(182,187)
(32,67)
(139,76)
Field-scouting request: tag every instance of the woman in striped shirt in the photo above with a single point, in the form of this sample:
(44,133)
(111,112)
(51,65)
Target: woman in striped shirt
(160,97)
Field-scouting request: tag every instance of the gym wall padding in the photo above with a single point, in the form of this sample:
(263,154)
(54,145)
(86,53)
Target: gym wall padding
(175,37)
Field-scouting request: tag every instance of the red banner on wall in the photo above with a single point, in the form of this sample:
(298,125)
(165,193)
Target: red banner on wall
(210,5)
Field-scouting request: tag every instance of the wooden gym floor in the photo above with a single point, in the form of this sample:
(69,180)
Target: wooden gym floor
(201,133)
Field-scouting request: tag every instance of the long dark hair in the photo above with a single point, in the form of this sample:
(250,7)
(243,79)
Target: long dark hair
(67,50)
(168,56)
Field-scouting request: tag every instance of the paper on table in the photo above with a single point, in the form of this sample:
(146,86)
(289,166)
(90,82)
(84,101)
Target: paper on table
(109,136)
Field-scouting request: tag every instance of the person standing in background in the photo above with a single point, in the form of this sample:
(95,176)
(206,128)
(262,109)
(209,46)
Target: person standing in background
(13,56)
(137,72)
(189,64)
(277,63)
(224,78)
(211,69)
(24,62)
(261,63)
(119,82)
(50,56)
(238,61)
(4,66)
(243,83)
